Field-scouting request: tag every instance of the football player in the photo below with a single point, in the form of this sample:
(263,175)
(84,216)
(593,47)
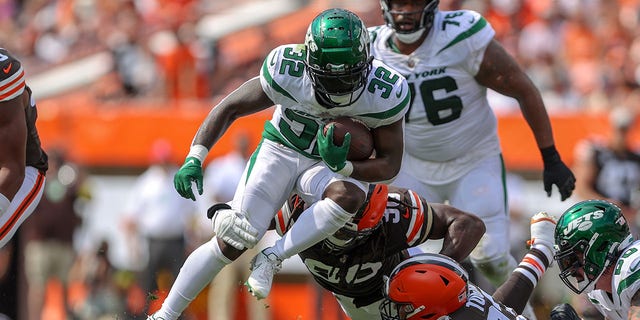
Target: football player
(351,262)
(431,286)
(452,150)
(331,75)
(598,256)
(23,163)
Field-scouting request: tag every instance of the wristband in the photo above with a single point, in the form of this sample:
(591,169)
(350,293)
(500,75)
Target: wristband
(347,170)
(550,154)
(199,152)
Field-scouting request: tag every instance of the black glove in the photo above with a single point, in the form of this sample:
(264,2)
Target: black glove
(556,172)
(563,311)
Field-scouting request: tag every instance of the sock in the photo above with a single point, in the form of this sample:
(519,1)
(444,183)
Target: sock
(316,223)
(202,265)
(533,265)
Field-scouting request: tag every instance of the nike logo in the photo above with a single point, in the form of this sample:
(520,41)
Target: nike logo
(405,214)
(273,60)
(333,168)
(399,93)
(472,19)
(8,68)
(190,162)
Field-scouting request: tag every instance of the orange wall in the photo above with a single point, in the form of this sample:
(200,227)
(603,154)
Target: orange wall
(121,135)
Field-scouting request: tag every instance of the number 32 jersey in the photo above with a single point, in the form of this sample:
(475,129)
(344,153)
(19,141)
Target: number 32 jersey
(298,115)
(449,117)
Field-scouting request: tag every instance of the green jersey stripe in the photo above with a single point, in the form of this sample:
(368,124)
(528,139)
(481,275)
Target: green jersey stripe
(391,112)
(628,281)
(473,30)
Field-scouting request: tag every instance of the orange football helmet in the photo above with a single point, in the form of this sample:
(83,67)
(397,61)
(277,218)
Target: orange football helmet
(425,286)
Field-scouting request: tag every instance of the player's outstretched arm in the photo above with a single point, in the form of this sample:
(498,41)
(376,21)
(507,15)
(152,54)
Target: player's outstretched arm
(500,71)
(249,98)
(515,292)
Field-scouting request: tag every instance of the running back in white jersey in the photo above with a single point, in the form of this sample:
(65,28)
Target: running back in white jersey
(625,283)
(298,115)
(449,115)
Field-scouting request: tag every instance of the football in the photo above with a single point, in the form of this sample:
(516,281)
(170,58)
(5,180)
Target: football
(361,146)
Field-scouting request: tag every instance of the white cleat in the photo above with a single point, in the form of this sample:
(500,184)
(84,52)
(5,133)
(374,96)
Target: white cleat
(263,267)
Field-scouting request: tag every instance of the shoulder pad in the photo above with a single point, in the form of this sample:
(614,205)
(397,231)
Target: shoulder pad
(12,82)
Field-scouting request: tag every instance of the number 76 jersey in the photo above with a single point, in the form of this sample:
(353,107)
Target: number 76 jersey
(449,116)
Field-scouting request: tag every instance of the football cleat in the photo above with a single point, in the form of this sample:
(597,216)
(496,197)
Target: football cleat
(263,267)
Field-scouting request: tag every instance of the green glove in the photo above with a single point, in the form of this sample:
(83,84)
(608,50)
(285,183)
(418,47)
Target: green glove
(334,156)
(190,171)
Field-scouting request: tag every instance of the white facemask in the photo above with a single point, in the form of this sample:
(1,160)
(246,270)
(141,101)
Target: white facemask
(344,99)
(409,38)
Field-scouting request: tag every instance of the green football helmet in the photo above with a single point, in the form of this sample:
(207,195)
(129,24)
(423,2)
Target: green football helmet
(338,59)
(589,237)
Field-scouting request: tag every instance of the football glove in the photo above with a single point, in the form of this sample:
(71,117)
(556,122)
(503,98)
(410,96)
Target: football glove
(542,229)
(563,311)
(233,228)
(190,171)
(556,172)
(335,157)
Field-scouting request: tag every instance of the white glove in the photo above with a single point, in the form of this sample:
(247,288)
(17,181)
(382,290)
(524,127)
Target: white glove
(234,228)
(542,229)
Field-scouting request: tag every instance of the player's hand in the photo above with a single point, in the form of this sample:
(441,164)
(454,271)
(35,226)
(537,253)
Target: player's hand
(556,172)
(542,230)
(335,157)
(563,311)
(190,171)
(233,228)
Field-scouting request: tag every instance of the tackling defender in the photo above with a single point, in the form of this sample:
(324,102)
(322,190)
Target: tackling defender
(351,262)
(23,163)
(331,75)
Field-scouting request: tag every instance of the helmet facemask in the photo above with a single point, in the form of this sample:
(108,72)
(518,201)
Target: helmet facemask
(338,60)
(422,20)
(576,273)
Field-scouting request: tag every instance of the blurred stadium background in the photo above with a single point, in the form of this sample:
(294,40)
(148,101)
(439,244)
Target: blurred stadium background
(111,77)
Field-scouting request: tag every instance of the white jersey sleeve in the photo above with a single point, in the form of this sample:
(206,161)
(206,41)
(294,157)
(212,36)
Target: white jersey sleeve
(298,115)
(625,283)
(450,117)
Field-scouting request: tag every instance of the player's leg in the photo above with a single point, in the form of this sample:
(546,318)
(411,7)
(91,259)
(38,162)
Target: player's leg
(22,205)
(334,199)
(482,191)
(264,187)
